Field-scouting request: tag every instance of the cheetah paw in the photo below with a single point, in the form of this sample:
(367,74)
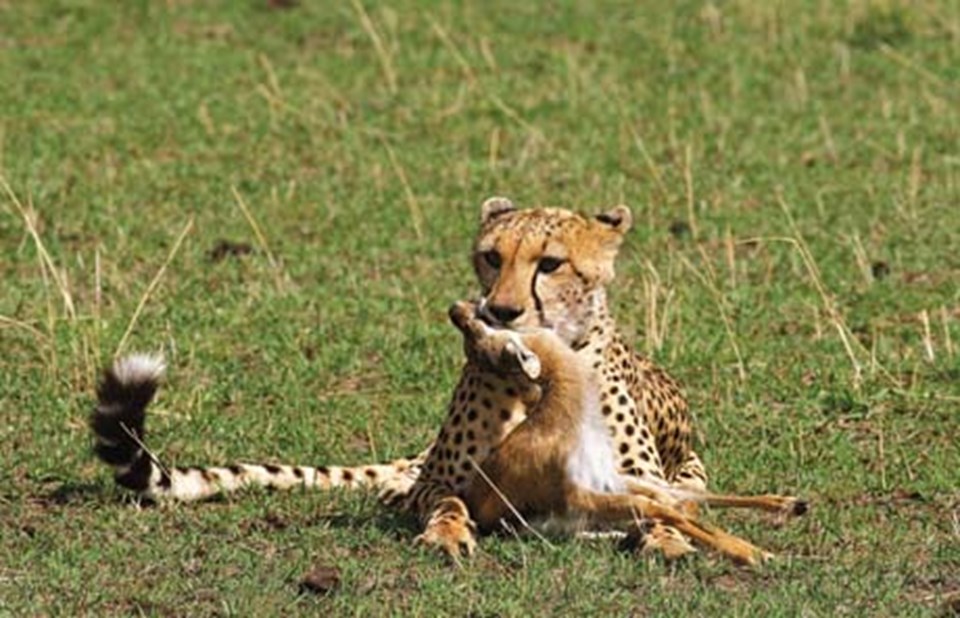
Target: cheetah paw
(453,537)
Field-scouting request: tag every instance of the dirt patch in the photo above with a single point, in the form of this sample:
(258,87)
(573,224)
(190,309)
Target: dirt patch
(224,249)
(322,580)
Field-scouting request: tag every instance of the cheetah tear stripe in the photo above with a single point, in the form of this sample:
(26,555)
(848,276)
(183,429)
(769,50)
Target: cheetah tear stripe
(118,423)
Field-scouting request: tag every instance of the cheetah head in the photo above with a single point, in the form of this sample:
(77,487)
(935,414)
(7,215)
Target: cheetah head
(546,267)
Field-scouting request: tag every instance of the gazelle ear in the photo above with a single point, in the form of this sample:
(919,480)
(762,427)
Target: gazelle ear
(527,361)
(494,207)
(619,219)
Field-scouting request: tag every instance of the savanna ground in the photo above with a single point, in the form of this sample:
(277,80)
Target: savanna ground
(309,176)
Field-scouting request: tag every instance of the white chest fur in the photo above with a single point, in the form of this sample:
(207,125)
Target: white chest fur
(593,464)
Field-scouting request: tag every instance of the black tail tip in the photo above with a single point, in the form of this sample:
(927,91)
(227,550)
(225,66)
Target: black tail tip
(123,394)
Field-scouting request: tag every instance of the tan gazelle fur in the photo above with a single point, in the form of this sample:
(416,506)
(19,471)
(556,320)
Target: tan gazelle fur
(559,461)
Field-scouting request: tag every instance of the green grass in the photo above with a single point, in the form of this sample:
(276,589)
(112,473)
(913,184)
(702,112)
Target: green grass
(121,122)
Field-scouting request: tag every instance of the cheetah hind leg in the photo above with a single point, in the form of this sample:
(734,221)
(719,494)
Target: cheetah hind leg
(395,491)
(691,475)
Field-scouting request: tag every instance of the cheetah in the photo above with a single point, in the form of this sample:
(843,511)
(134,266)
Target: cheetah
(549,268)
(560,462)
(537,267)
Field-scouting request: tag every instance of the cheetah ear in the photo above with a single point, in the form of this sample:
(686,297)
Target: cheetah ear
(606,235)
(619,219)
(494,207)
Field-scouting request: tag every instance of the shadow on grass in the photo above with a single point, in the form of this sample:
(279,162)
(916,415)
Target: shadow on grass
(399,525)
(70,493)
(279,516)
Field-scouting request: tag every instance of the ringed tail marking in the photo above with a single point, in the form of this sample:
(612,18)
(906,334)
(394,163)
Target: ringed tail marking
(118,423)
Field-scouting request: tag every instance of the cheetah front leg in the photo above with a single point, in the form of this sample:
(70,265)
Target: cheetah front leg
(434,496)
(472,429)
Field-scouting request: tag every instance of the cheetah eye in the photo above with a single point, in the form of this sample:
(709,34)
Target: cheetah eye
(547,265)
(492,258)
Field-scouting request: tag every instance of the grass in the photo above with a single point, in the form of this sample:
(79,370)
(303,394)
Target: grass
(284,199)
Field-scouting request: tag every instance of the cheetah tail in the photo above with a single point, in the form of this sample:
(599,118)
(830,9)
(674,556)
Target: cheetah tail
(123,394)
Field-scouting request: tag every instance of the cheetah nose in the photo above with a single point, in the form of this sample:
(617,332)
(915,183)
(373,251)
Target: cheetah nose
(503,313)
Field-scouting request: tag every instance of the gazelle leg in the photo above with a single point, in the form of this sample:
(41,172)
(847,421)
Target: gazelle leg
(625,507)
(784,505)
